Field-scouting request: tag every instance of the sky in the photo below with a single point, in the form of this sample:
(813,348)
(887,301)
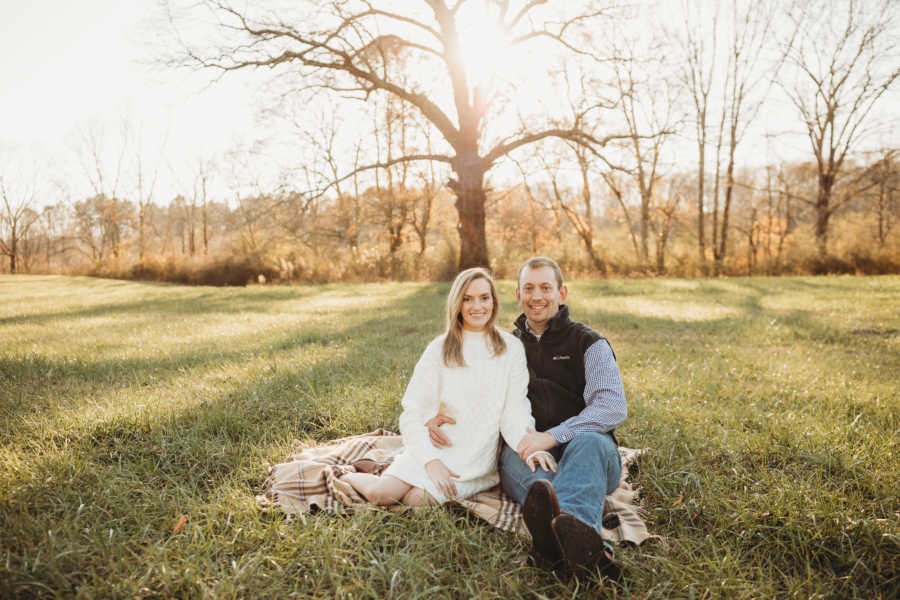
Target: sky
(68,66)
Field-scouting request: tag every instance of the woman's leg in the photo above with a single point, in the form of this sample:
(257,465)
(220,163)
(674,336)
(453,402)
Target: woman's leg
(382,490)
(417,497)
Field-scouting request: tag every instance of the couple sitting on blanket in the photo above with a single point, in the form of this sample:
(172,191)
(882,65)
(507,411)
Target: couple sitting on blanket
(551,389)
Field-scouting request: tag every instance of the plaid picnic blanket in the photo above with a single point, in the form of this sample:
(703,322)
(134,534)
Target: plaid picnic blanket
(310,479)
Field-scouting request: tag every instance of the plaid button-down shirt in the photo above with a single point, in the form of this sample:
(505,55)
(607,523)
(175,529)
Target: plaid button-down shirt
(604,395)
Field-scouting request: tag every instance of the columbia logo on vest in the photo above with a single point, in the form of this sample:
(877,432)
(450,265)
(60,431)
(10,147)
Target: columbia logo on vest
(561,357)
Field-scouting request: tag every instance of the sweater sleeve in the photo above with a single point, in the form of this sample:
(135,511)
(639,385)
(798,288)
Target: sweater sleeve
(420,403)
(516,415)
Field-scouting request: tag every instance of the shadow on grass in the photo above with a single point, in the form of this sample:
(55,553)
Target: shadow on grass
(191,303)
(131,474)
(29,380)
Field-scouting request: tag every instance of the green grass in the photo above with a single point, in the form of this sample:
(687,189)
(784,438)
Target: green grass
(769,407)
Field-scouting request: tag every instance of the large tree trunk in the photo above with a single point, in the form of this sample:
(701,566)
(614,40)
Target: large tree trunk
(470,200)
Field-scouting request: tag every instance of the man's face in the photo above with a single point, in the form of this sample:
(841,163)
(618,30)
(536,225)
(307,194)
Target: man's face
(539,295)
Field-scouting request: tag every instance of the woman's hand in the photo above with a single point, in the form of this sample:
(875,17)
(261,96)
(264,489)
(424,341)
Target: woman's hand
(442,477)
(438,437)
(542,458)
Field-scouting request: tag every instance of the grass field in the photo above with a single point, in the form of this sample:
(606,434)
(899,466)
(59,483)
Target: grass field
(770,408)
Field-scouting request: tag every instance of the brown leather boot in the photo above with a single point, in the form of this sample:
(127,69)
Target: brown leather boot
(582,547)
(541,507)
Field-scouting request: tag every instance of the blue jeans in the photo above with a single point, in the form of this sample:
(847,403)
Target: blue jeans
(588,469)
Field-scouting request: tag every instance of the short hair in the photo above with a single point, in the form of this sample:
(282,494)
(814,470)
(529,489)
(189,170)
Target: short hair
(536,262)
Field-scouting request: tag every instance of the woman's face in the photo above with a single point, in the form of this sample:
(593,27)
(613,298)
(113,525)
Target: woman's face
(477,305)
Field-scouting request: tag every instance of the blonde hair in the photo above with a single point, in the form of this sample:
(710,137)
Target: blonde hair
(452,348)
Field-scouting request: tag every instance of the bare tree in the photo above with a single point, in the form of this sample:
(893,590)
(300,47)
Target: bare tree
(698,42)
(203,171)
(101,223)
(732,92)
(391,198)
(846,58)
(345,47)
(663,218)
(575,205)
(884,178)
(19,192)
(145,189)
(780,221)
(648,108)
(422,208)
(618,184)
(748,78)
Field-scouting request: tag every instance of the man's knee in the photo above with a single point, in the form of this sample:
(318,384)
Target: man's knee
(591,442)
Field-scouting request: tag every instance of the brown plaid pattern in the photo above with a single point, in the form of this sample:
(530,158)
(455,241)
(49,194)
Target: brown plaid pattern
(310,480)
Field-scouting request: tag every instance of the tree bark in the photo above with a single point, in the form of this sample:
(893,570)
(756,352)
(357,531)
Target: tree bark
(470,201)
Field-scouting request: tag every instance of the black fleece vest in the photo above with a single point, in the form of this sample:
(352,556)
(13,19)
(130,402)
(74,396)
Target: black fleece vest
(556,367)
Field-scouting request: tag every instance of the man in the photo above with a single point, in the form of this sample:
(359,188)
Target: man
(577,400)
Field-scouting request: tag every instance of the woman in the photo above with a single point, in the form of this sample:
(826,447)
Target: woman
(474,373)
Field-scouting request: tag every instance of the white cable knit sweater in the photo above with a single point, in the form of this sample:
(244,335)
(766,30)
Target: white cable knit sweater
(487,397)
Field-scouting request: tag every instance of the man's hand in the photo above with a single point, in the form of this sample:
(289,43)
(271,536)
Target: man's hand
(438,438)
(533,442)
(442,477)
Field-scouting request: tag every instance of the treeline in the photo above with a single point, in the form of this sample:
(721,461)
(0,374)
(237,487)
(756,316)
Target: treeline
(641,155)
(411,232)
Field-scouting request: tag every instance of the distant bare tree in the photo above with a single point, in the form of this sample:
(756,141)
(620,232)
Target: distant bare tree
(883,177)
(99,224)
(779,220)
(322,171)
(846,58)
(145,187)
(563,173)
(648,108)
(732,92)
(698,40)
(749,75)
(422,208)
(618,184)
(663,217)
(19,193)
(575,205)
(391,198)
(203,171)
(104,165)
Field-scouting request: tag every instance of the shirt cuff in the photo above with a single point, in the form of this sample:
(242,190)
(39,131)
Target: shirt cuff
(561,433)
